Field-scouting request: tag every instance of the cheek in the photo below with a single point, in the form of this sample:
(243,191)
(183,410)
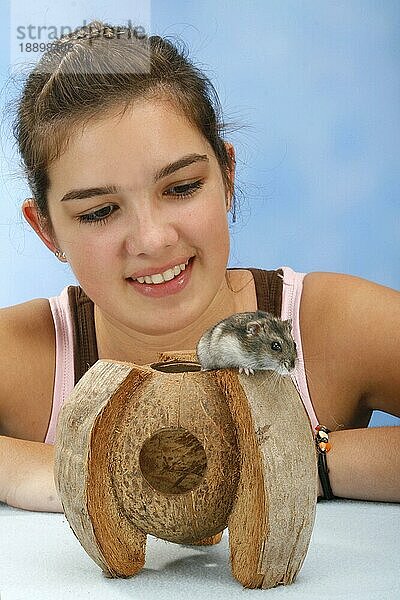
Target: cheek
(92,257)
(215,235)
(210,223)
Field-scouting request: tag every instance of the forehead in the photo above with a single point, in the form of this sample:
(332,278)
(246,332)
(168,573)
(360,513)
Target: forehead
(130,144)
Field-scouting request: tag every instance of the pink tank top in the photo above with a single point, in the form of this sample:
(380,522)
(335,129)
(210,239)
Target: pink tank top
(64,376)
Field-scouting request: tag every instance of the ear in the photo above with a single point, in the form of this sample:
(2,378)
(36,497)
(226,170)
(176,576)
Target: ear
(253,328)
(231,152)
(35,219)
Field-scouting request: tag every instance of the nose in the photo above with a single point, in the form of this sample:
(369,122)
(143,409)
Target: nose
(150,231)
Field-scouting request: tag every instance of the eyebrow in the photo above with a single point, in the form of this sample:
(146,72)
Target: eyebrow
(185,161)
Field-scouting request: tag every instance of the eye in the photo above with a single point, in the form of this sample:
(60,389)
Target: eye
(185,190)
(98,216)
(276,346)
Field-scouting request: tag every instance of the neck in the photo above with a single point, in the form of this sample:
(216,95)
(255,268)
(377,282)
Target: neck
(118,342)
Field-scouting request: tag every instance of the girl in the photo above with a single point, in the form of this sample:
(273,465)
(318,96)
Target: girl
(132,181)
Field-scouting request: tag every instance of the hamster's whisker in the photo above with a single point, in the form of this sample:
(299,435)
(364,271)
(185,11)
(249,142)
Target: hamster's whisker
(313,358)
(308,376)
(276,381)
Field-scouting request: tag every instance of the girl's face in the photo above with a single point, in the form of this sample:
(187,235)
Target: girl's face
(136,196)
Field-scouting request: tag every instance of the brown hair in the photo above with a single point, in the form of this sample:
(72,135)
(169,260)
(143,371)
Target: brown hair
(84,75)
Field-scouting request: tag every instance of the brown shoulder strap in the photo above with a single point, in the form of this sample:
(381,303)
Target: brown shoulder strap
(269,298)
(85,344)
(269,286)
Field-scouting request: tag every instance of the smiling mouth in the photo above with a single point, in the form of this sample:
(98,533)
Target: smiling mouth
(167,275)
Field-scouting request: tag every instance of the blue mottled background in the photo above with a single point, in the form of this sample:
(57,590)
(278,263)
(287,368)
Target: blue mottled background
(312,89)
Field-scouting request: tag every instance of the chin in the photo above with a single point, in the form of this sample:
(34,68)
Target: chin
(166,322)
(164,326)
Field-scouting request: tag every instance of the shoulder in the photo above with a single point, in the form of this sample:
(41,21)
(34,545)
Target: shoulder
(354,324)
(27,352)
(352,302)
(26,322)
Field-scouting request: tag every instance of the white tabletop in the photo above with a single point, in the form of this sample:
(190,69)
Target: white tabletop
(354,553)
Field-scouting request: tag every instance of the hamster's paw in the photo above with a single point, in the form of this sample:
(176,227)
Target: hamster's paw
(246,370)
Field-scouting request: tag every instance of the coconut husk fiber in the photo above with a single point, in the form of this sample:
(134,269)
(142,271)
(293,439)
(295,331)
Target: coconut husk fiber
(171,451)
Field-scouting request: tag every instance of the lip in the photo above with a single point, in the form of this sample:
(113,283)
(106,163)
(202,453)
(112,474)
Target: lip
(155,270)
(168,288)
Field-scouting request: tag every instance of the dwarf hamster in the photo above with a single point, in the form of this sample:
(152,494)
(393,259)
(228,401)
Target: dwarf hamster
(249,341)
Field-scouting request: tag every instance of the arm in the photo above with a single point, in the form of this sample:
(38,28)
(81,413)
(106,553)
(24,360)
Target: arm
(364,464)
(352,354)
(26,475)
(27,359)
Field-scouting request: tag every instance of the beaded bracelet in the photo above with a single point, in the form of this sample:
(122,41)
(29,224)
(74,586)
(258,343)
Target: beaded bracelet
(323,446)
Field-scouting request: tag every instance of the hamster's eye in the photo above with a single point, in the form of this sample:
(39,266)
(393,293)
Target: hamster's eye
(276,347)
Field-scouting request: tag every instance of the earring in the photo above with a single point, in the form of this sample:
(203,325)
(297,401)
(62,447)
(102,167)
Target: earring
(231,205)
(60,255)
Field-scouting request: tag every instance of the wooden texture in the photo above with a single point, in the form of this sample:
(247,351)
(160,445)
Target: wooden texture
(272,520)
(181,454)
(73,469)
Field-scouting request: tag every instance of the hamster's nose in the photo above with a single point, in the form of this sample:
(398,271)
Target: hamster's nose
(290,364)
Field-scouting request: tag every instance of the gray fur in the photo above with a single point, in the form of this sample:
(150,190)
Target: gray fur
(244,340)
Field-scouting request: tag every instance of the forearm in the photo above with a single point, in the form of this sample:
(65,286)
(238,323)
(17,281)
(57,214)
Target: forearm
(364,464)
(26,475)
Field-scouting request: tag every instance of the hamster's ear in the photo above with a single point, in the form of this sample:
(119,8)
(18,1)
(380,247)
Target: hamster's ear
(253,327)
(289,324)
(36,221)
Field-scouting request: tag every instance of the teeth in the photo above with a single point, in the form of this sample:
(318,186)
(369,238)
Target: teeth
(170,274)
(155,278)
(161,277)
